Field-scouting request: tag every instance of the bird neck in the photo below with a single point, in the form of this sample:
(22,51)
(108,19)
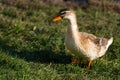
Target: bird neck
(73,24)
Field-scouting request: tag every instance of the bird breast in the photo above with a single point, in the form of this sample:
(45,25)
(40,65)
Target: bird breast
(73,44)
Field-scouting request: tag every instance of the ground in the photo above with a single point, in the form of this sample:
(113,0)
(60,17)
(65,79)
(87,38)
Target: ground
(32,46)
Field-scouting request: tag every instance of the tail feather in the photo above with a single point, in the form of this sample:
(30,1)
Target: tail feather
(110,42)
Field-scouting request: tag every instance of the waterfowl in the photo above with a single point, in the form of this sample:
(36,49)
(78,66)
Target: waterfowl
(82,44)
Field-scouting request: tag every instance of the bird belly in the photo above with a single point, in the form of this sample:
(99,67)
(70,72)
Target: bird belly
(74,46)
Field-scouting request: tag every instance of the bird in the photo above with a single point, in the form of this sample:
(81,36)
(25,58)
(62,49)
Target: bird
(82,44)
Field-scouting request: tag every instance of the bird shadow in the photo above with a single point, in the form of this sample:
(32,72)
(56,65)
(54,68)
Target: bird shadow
(45,56)
(42,56)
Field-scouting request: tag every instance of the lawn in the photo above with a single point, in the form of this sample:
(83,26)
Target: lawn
(32,46)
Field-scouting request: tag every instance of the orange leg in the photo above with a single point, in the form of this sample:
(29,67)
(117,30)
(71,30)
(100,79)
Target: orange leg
(75,61)
(89,64)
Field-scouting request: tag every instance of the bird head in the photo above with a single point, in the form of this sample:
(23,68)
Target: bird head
(64,14)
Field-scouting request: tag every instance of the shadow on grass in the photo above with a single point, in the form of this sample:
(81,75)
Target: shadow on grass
(43,56)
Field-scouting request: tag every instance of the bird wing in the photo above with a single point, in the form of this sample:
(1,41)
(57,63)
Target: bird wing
(94,39)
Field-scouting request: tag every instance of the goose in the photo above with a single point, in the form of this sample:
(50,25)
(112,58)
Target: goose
(81,44)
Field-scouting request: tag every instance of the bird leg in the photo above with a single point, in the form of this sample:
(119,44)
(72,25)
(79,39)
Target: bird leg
(75,61)
(89,64)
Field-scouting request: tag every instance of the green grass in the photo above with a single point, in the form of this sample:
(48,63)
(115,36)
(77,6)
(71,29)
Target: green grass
(32,47)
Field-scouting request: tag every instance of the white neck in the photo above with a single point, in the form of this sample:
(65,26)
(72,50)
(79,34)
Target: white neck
(73,23)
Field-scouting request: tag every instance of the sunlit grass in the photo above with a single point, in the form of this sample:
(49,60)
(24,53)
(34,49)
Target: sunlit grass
(32,47)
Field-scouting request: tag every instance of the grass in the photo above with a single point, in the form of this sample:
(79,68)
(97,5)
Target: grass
(32,47)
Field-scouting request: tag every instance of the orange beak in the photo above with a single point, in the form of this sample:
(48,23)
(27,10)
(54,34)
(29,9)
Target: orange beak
(57,18)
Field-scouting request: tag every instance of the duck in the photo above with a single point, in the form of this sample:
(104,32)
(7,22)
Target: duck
(82,44)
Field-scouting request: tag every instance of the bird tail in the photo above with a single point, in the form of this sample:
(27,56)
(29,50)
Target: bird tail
(110,41)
